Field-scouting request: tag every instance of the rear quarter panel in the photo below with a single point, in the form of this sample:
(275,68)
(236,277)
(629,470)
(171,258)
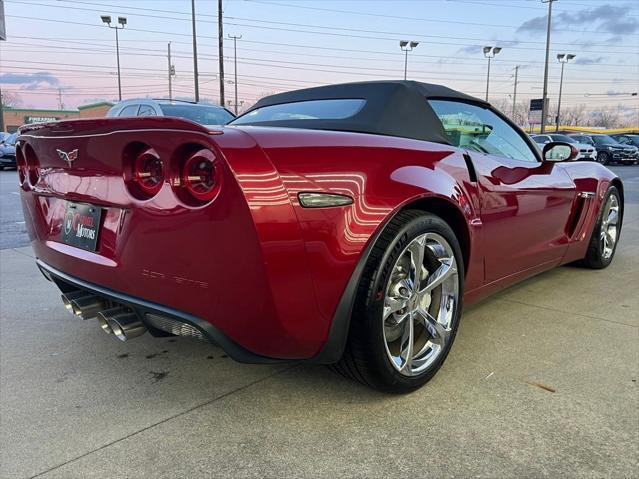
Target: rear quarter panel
(382,175)
(589,177)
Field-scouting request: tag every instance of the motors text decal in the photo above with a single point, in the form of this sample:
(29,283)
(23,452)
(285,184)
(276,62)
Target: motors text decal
(81,225)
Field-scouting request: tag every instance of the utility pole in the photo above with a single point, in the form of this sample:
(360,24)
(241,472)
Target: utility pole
(515,94)
(562,58)
(60,104)
(2,38)
(544,106)
(122,22)
(1,112)
(171,73)
(235,39)
(220,36)
(195,73)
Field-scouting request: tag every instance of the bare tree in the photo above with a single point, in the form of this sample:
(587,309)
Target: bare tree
(11,99)
(575,115)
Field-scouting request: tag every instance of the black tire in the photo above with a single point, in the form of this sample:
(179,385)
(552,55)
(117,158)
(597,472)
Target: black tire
(595,258)
(1,168)
(603,157)
(365,358)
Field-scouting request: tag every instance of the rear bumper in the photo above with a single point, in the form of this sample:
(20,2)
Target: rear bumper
(143,308)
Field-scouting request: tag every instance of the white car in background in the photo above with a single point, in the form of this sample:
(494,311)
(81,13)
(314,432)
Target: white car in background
(587,152)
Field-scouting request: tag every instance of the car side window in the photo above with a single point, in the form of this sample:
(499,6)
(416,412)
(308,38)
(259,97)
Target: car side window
(130,110)
(480,129)
(146,110)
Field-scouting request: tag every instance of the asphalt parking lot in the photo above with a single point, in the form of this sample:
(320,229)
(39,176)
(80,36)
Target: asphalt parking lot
(541,382)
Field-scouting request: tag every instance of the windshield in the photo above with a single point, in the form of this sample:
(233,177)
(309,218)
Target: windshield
(333,109)
(565,138)
(603,140)
(632,140)
(204,115)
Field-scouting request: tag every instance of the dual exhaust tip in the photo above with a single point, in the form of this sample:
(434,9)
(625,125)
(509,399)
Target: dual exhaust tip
(119,321)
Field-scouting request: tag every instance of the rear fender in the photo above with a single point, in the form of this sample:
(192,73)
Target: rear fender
(591,180)
(383,176)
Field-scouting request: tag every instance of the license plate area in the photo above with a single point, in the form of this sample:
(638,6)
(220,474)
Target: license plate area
(81,225)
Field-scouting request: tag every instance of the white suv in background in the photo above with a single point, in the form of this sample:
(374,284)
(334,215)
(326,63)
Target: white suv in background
(586,152)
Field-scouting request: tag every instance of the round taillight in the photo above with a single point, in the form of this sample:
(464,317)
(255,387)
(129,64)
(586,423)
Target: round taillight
(21,165)
(148,172)
(32,172)
(200,175)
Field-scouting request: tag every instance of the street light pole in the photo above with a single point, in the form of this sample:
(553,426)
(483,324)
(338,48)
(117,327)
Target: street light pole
(490,52)
(195,72)
(122,22)
(235,39)
(407,46)
(220,46)
(563,58)
(515,94)
(117,54)
(544,111)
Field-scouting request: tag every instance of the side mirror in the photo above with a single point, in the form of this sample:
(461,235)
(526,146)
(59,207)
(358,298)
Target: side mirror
(556,151)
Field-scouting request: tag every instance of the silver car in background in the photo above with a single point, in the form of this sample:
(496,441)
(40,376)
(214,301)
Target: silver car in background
(587,152)
(208,115)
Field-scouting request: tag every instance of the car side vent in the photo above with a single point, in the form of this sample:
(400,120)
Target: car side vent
(472,174)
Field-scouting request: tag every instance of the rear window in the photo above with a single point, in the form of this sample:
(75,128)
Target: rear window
(338,109)
(565,138)
(204,115)
(603,140)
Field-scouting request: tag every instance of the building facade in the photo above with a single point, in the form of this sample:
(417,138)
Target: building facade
(14,118)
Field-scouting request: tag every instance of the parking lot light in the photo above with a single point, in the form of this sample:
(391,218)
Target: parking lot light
(407,46)
(562,58)
(489,52)
(122,22)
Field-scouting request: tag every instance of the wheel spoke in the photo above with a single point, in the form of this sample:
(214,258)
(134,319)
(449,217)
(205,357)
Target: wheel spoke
(439,333)
(406,346)
(393,305)
(613,216)
(416,250)
(422,292)
(440,275)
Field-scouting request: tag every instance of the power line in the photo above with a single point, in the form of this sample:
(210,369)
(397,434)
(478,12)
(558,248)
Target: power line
(358,71)
(335,34)
(327,27)
(467,61)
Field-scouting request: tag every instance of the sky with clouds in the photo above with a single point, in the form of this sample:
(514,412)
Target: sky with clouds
(60,49)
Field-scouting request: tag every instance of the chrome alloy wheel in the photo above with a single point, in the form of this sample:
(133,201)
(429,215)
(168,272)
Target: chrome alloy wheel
(609,226)
(420,303)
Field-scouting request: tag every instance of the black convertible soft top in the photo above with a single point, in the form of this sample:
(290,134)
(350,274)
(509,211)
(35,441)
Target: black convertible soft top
(394,108)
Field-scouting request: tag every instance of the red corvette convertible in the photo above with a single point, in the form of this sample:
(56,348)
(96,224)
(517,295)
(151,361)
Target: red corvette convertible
(343,224)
